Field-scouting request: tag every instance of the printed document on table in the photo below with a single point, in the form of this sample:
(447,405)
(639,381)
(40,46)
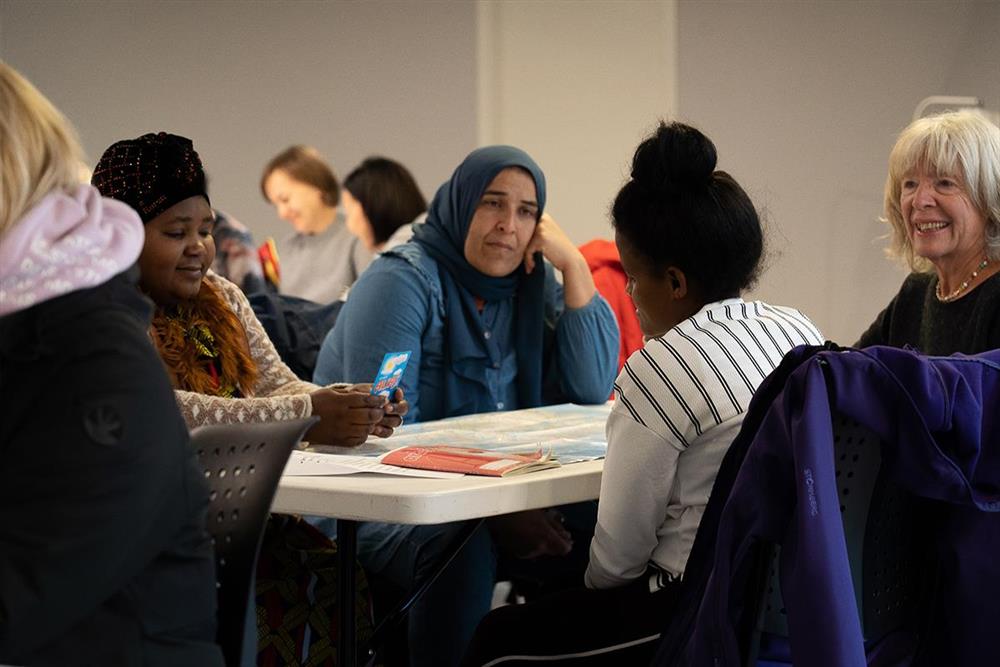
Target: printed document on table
(314,463)
(570,432)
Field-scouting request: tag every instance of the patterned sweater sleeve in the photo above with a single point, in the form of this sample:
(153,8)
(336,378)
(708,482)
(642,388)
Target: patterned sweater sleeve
(278,394)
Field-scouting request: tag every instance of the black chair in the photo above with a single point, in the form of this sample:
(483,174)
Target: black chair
(242,463)
(881,532)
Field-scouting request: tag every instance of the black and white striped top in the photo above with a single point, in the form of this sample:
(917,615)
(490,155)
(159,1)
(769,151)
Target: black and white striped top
(705,370)
(679,403)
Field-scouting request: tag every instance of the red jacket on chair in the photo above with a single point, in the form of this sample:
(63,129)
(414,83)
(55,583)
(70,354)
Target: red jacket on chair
(609,276)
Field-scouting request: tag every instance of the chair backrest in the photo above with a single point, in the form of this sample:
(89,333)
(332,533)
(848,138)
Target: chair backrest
(880,530)
(242,464)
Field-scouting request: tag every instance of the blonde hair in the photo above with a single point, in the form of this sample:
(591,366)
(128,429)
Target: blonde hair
(39,149)
(961,144)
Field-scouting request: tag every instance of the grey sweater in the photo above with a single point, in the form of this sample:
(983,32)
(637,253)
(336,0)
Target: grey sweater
(320,267)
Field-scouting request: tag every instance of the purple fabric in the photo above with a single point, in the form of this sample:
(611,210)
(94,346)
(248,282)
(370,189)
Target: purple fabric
(938,421)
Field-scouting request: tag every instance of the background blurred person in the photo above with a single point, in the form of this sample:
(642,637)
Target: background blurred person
(322,258)
(381,201)
(104,559)
(236,257)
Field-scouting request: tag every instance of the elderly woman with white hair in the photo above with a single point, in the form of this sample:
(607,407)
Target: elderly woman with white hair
(942,202)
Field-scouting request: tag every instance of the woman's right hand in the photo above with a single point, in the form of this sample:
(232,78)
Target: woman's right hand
(346,417)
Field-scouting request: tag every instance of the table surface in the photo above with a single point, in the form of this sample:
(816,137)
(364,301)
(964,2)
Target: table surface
(417,500)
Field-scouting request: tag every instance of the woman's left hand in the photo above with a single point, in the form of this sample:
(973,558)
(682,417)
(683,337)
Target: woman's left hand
(555,246)
(550,240)
(395,409)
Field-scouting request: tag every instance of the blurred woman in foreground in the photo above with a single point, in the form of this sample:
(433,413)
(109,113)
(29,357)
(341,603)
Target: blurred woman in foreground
(104,559)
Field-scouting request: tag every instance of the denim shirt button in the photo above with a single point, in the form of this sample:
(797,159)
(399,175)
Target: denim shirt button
(500,405)
(486,335)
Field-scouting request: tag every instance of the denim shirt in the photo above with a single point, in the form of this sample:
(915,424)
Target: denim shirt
(397,305)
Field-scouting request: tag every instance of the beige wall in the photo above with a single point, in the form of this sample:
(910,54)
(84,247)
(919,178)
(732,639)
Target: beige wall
(246,79)
(804,99)
(577,85)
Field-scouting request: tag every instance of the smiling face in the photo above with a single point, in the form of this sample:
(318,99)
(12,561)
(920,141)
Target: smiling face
(178,251)
(299,203)
(503,223)
(943,224)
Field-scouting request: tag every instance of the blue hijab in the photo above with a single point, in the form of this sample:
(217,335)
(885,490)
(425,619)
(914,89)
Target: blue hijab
(443,237)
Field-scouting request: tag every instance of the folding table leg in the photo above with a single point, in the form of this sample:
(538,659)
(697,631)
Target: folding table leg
(396,617)
(347,553)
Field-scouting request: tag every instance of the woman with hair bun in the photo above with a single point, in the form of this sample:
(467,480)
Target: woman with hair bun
(690,242)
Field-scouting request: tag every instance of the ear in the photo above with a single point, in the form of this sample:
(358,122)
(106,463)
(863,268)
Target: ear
(677,281)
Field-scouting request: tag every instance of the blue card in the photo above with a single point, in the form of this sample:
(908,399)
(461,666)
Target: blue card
(390,373)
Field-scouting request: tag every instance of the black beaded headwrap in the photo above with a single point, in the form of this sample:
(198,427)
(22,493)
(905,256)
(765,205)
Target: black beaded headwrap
(150,173)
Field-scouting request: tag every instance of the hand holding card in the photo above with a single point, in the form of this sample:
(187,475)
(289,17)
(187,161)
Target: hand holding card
(390,373)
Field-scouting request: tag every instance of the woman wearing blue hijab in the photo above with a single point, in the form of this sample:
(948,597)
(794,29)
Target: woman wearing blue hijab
(475,298)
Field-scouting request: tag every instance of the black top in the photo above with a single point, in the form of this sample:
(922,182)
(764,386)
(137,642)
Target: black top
(916,318)
(104,559)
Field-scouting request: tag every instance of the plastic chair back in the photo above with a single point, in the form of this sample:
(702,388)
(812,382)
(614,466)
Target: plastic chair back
(242,464)
(879,530)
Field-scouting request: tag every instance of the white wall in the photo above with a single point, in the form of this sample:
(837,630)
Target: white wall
(804,100)
(577,85)
(246,79)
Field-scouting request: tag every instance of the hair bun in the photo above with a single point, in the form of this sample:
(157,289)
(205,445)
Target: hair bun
(677,157)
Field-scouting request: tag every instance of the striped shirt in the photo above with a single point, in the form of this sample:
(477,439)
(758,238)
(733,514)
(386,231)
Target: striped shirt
(679,403)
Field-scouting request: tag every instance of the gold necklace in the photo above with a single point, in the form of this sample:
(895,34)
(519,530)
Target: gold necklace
(948,298)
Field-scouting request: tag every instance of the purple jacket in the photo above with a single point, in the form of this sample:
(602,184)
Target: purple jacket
(940,427)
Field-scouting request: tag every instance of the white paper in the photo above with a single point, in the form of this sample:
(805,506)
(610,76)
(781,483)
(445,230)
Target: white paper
(314,463)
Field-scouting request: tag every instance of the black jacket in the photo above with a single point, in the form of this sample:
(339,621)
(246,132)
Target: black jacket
(104,559)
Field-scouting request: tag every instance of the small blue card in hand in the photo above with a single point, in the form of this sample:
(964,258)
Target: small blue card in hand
(390,373)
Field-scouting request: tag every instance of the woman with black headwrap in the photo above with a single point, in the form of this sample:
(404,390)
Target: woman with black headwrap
(221,363)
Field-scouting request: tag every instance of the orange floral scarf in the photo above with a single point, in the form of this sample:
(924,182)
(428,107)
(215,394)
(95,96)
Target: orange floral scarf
(205,346)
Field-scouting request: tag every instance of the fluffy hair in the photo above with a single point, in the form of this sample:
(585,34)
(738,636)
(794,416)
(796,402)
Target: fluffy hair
(964,145)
